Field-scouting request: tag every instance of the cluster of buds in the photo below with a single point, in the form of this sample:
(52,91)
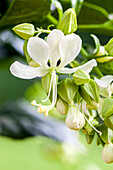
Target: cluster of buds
(86,102)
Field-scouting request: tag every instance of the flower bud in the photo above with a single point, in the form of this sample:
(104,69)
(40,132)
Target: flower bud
(93,106)
(68,22)
(101,51)
(24,30)
(107,108)
(109,47)
(67,90)
(89,138)
(81,77)
(109,122)
(61,106)
(107,153)
(75,119)
(104,59)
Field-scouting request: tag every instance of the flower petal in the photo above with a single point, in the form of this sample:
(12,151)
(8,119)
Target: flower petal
(104,81)
(87,67)
(53,41)
(27,72)
(38,50)
(70,47)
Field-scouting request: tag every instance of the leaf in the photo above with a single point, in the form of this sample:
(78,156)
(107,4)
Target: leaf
(107,108)
(92,89)
(25,11)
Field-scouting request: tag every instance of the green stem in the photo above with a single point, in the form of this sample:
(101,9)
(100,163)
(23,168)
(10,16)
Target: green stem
(84,52)
(97,8)
(52,19)
(98,72)
(90,26)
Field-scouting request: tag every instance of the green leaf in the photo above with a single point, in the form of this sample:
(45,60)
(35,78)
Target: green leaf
(67,90)
(25,11)
(81,77)
(107,108)
(92,89)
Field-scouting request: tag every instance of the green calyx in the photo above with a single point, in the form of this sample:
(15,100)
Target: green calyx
(109,47)
(81,77)
(67,90)
(68,22)
(24,30)
(107,108)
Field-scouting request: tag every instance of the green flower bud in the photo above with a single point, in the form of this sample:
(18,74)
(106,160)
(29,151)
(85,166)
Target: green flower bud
(61,106)
(25,30)
(109,47)
(90,93)
(89,138)
(30,61)
(75,119)
(68,22)
(104,59)
(109,122)
(92,89)
(93,106)
(107,153)
(81,77)
(107,108)
(67,90)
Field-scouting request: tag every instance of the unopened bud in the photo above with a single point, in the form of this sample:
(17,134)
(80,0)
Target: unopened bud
(61,106)
(75,119)
(68,22)
(107,153)
(81,77)
(24,30)
(109,47)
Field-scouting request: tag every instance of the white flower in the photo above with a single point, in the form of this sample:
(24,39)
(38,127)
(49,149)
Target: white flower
(104,85)
(56,48)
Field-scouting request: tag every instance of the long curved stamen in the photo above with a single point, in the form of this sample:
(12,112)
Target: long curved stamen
(100,133)
(44,108)
(49,89)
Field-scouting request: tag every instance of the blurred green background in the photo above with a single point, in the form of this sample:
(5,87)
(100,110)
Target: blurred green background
(29,141)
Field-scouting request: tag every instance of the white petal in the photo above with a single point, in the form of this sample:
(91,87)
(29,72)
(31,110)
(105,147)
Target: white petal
(38,50)
(87,67)
(27,72)
(104,81)
(70,47)
(53,41)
